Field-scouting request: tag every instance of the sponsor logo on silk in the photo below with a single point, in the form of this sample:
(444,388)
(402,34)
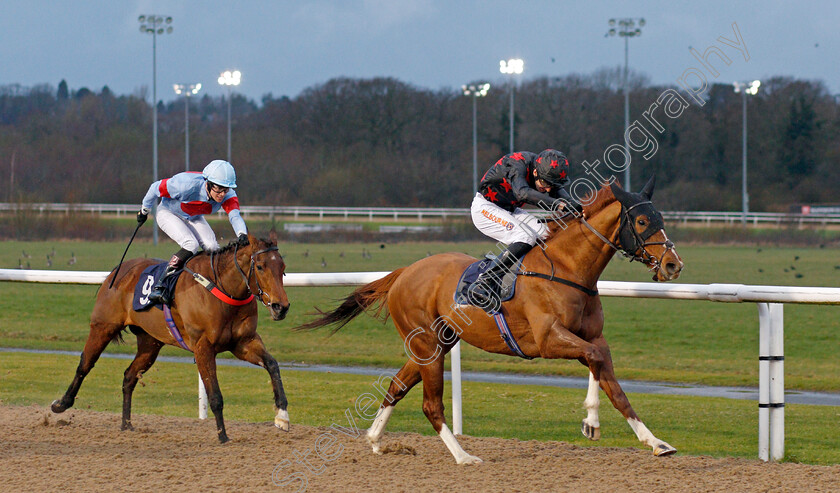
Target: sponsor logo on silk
(498,220)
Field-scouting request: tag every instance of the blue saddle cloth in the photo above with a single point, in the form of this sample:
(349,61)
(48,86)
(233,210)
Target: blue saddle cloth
(147,281)
(508,284)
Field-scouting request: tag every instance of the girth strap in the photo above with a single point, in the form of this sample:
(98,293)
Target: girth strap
(504,331)
(173,329)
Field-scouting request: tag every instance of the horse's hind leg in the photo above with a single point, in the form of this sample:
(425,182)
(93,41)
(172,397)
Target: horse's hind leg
(616,395)
(147,351)
(591,426)
(403,381)
(100,335)
(253,351)
(205,360)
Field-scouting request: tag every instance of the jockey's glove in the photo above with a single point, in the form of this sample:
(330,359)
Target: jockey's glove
(243,240)
(565,205)
(577,206)
(142,215)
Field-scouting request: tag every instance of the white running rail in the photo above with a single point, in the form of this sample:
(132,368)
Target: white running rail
(769,299)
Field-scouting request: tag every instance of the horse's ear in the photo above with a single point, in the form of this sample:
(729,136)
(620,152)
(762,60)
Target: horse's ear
(647,190)
(619,192)
(272,235)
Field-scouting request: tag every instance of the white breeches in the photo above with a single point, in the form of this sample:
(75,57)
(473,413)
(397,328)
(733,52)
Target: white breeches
(504,226)
(190,234)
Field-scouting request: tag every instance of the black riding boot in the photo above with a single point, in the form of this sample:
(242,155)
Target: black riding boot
(484,292)
(158,294)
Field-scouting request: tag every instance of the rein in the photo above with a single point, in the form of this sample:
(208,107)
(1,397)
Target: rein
(566,282)
(640,243)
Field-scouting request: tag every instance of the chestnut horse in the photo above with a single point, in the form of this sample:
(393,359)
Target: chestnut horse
(547,319)
(207,324)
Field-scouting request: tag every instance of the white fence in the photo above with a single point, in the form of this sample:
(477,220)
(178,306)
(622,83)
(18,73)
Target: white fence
(770,301)
(321,213)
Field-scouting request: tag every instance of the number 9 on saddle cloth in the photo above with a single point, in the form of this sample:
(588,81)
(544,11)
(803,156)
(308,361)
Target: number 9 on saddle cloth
(147,281)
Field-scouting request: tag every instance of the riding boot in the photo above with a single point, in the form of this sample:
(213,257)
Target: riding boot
(176,263)
(484,292)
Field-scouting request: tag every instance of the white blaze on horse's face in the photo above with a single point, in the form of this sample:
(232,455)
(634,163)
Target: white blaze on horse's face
(667,261)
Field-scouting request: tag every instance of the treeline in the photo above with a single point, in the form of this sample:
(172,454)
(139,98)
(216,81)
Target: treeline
(382,142)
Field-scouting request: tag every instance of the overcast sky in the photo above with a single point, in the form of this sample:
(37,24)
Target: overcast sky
(282,47)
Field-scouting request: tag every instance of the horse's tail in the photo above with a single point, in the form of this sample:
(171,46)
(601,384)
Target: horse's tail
(359,301)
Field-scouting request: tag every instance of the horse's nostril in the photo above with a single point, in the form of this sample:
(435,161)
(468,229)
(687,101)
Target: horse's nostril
(279,307)
(671,268)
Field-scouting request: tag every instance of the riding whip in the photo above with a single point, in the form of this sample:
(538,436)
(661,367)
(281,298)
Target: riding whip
(139,223)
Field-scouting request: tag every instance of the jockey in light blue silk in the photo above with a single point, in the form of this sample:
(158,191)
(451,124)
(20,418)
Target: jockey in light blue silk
(184,201)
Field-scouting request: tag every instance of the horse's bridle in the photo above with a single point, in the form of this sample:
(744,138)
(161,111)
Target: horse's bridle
(639,240)
(252,270)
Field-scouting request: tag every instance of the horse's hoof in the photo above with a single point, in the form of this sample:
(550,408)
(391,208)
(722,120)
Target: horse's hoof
(469,459)
(591,432)
(223,438)
(282,420)
(57,407)
(126,427)
(663,449)
(375,444)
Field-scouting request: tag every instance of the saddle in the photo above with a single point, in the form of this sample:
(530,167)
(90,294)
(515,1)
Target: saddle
(147,281)
(505,290)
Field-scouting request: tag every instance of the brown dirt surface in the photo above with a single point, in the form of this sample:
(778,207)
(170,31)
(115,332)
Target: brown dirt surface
(85,451)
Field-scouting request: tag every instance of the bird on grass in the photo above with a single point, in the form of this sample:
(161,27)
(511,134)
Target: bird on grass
(72,259)
(25,255)
(323,262)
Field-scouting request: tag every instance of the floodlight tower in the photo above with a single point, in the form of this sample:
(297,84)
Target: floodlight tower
(512,67)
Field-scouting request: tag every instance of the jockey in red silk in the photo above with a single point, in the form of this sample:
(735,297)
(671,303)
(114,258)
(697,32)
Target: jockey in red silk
(184,200)
(515,180)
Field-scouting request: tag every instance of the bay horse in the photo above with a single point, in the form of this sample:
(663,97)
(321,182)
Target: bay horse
(562,319)
(207,325)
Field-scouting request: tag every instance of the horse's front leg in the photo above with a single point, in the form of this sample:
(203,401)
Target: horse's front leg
(253,351)
(616,395)
(205,360)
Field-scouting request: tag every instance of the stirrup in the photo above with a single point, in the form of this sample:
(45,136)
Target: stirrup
(482,296)
(158,295)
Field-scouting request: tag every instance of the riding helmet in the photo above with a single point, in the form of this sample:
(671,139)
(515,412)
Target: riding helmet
(553,167)
(221,173)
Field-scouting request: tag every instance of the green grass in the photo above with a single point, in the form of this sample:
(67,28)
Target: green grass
(695,426)
(669,340)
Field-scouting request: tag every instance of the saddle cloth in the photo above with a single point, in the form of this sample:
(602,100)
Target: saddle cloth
(147,281)
(508,284)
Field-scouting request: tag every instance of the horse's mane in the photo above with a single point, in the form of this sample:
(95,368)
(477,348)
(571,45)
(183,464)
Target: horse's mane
(227,248)
(596,201)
